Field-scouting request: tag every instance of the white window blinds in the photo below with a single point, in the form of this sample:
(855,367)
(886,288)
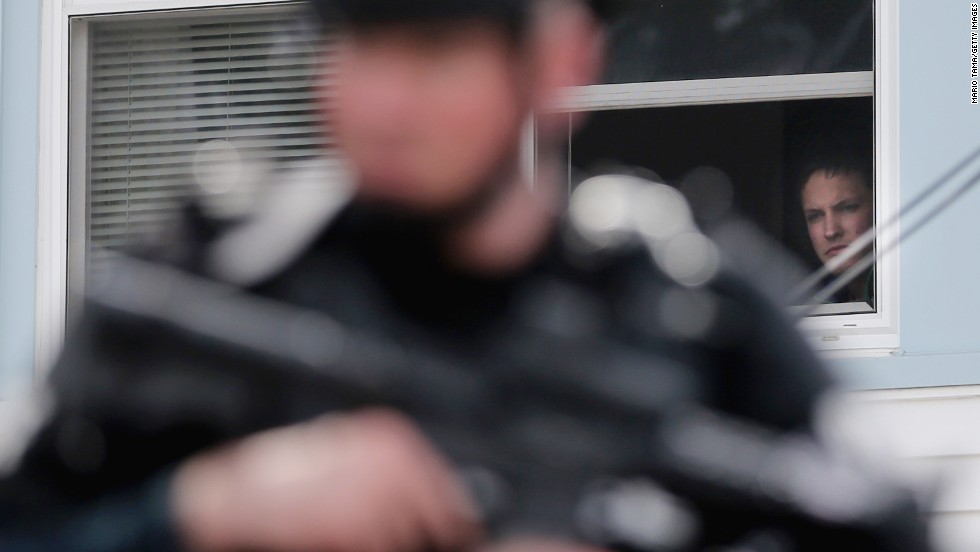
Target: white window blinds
(163,91)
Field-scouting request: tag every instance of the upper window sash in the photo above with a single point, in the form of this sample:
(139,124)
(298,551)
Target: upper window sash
(706,39)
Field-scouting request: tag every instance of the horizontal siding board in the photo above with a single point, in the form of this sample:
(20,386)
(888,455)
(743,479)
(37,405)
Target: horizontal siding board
(929,437)
(956,532)
(918,426)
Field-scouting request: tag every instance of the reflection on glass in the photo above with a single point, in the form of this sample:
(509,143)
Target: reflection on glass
(707,39)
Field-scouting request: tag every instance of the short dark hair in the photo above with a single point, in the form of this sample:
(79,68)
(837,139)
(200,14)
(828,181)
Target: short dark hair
(833,141)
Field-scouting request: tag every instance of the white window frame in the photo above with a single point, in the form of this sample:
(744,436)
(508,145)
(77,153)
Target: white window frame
(865,334)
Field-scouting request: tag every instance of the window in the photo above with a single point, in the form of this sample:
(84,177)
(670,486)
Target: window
(751,92)
(171,104)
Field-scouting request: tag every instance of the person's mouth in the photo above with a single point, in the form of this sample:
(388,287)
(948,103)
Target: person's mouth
(833,251)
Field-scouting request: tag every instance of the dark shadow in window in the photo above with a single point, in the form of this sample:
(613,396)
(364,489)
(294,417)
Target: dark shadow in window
(758,146)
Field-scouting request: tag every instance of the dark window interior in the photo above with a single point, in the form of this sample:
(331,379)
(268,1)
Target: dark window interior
(755,144)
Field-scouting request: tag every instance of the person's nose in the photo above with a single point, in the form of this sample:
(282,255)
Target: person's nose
(832,227)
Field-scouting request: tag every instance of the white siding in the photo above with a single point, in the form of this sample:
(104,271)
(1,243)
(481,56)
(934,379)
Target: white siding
(931,436)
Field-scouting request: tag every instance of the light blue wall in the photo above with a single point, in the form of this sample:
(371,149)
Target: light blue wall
(940,267)
(19,62)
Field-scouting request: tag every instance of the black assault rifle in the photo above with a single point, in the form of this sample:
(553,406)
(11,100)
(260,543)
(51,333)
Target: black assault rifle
(573,438)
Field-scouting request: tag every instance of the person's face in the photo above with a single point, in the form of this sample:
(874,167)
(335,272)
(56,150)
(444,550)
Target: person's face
(426,113)
(837,209)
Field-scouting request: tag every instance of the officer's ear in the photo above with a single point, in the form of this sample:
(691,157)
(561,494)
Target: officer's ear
(567,48)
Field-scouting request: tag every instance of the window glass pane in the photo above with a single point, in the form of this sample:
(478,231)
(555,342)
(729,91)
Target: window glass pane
(767,151)
(175,103)
(710,39)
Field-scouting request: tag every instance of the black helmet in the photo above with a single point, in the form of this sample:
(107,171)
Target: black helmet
(359,12)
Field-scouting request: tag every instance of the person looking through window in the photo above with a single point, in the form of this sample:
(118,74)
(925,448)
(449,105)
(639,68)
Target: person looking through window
(837,198)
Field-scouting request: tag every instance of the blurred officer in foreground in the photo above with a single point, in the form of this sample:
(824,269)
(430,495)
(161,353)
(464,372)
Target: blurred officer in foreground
(445,243)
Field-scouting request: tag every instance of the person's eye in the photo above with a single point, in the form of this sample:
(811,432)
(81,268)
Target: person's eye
(851,207)
(812,217)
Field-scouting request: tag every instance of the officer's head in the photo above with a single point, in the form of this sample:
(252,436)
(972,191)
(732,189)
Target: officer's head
(428,98)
